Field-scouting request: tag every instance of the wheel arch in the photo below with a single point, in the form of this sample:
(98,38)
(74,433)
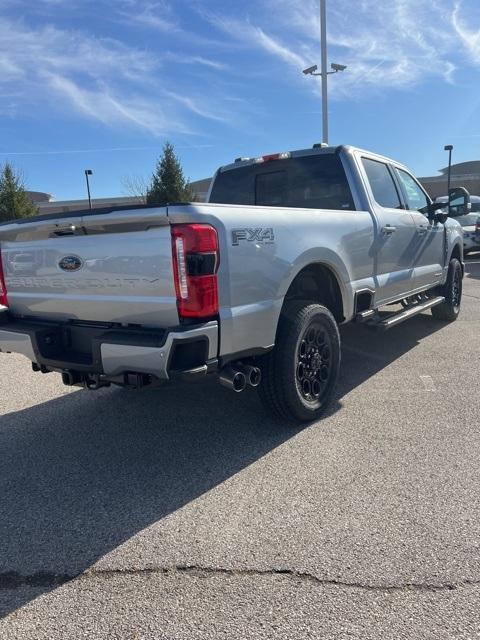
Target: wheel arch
(318,282)
(457,252)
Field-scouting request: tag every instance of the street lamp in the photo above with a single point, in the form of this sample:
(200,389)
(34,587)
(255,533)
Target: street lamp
(88,172)
(324,73)
(449,148)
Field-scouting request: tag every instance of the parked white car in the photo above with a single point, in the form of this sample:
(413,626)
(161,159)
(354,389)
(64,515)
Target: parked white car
(470,225)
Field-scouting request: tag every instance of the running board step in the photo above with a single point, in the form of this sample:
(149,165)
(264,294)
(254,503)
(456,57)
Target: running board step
(410,312)
(366,316)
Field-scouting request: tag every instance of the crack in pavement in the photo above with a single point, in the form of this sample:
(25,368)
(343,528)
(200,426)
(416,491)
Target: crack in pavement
(14,580)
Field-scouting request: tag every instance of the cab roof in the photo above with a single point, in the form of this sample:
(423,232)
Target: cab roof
(317,149)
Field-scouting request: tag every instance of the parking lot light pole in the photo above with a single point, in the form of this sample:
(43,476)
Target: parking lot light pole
(449,148)
(323,70)
(88,172)
(323,66)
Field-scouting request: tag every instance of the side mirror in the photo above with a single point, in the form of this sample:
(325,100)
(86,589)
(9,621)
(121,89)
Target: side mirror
(458,202)
(441,216)
(431,210)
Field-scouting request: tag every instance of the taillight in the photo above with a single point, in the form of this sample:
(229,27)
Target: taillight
(3,287)
(195,264)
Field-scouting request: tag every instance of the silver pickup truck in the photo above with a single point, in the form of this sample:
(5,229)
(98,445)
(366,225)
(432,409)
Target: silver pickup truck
(250,286)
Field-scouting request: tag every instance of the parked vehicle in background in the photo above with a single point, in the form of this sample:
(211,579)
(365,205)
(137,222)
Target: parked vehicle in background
(250,286)
(470,224)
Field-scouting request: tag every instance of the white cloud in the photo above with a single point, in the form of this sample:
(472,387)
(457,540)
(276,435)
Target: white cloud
(98,78)
(159,16)
(277,48)
(196,106)
(395,44)
(28,49)
(213,64)
(251,34)
(470,38)
(188,59)
(155,15)
(101,104)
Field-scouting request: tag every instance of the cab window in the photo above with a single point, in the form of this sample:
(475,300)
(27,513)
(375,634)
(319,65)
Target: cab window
(414,194)
(381,182)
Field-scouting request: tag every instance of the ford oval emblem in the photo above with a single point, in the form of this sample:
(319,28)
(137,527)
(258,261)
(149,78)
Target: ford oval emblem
(70,263)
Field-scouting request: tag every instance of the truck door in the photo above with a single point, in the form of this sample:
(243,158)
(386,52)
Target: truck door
(395,233)
(430,236)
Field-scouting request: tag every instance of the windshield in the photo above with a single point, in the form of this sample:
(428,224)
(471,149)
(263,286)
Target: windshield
(315,182)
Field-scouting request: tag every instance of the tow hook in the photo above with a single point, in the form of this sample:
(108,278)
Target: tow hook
(93,382)
(70,378)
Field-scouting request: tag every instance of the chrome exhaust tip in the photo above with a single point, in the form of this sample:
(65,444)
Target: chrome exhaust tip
(233,379)
(253,374)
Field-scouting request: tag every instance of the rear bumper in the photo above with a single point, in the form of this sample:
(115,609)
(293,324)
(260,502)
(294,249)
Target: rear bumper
(110,352)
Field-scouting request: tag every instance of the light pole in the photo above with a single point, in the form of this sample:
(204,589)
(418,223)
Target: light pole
(88,172)
(449,148)
(323,68)
(323,71)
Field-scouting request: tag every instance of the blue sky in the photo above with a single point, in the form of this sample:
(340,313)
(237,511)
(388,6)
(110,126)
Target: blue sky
(103,83)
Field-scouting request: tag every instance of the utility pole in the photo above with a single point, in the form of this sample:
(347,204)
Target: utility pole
(323,70)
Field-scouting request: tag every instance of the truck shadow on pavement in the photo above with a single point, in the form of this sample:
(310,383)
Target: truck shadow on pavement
(83,473)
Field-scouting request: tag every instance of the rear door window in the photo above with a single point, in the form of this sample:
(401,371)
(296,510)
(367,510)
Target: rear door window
(381,183)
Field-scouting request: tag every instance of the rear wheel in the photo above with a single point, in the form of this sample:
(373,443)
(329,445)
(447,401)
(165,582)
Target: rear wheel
(452,290)
(299,375)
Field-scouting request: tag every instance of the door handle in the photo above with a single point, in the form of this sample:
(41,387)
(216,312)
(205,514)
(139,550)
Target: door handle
(421,230)
(388,229)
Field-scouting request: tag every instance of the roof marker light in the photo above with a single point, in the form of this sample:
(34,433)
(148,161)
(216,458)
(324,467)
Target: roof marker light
(273,156)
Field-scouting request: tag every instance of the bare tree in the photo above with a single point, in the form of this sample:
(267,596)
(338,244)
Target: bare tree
(136,186)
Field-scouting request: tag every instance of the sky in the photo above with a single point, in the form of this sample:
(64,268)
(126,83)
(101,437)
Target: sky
(102,84)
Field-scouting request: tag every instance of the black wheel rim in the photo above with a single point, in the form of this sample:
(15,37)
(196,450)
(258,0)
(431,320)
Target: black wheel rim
(313,363)
(456,289)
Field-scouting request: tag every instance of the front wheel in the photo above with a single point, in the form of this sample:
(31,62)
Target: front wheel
(299,375)
(452,290)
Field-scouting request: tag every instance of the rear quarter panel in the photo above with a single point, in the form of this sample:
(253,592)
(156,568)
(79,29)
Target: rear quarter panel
(255,274)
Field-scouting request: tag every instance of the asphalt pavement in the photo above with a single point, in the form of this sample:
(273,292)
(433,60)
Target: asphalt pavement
(187,512)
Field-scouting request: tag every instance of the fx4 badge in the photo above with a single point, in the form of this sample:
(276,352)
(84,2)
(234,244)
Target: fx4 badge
(265,235)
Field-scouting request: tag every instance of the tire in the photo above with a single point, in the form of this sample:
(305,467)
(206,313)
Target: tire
(452,290)
(299,375)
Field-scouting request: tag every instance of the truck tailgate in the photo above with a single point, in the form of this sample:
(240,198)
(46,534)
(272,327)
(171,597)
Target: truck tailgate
(101,267)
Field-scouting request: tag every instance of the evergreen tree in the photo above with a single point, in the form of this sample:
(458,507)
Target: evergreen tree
(14,200)
(168,182)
